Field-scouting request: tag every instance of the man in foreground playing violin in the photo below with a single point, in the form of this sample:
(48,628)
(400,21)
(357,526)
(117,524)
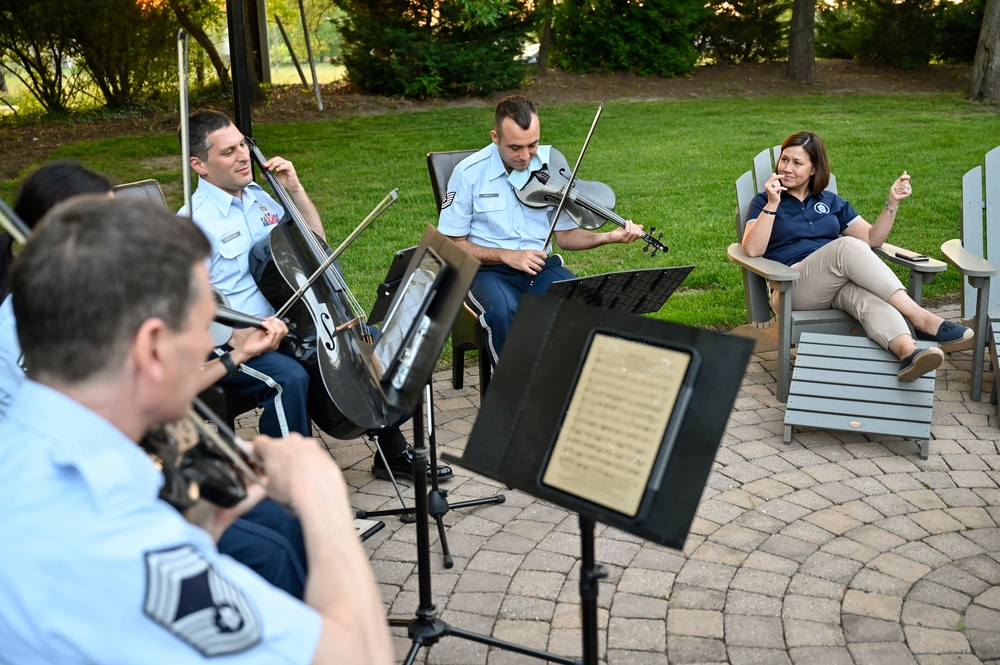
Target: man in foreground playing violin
(266,538)
(97,568)
(483,215)
(235,213)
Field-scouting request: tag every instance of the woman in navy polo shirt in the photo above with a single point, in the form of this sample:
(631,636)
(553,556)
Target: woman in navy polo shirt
(795,221)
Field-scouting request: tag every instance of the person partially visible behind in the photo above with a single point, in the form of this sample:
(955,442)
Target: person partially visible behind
(39,191)
(95,567)
(482,214)
(797,222)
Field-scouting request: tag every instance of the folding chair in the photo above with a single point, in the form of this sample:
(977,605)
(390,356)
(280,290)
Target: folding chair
(466,333)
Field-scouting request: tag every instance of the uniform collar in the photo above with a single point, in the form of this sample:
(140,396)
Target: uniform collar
(112,466)
(222,200)
(519,179)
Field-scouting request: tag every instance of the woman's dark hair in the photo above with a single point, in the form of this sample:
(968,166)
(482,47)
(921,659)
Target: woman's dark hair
(41,190)
(813,145)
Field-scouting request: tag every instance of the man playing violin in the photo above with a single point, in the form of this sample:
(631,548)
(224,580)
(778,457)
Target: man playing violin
(98,569)
(483,215)
(235,213)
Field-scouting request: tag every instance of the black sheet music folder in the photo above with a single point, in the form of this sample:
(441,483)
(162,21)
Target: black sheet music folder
(518,432)
(632,291)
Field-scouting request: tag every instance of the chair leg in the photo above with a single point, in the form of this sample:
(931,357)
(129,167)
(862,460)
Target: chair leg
(457,368)
(784,345)
(485,373)
(980,326)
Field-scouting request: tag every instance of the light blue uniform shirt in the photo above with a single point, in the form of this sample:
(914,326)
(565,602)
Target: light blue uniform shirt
(11,374)
(94,568)
(481,203)
(233,227)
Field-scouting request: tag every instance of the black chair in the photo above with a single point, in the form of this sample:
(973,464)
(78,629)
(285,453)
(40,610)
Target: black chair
(227,402)
(466,332)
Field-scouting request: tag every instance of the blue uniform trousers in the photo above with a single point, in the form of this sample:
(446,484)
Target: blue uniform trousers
(496,292)
(269,541)
(287,405)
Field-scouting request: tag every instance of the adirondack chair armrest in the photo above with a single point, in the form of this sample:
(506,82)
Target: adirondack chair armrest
(965,261)
(770,270)
(888,252)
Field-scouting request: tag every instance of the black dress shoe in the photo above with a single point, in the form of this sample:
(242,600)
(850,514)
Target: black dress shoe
(402,467)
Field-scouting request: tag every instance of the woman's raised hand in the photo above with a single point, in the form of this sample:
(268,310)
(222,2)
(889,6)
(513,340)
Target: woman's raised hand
(900,189)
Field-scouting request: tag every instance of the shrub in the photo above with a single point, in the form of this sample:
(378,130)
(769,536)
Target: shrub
(433,48)
(745,31)
(655,37)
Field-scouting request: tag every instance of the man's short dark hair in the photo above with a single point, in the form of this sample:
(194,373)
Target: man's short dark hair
(201,123)
(92,272)
(516,107)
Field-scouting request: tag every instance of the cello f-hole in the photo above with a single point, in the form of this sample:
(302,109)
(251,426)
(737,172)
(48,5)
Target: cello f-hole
(327,320)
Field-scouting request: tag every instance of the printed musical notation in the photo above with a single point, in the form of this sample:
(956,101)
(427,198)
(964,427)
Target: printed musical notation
(616,422)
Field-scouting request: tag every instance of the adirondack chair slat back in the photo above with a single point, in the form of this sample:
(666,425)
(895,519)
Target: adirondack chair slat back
(749,185)
(991,177)
(981,225)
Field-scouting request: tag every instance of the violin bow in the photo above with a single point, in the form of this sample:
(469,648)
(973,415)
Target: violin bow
(382,206)
(14,225)
(572,177)
(182,72)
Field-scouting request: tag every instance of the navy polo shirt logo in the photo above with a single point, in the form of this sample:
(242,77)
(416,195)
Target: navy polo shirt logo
(821,208)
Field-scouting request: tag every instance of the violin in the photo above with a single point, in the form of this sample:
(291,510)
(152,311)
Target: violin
(589,203)
(200,463)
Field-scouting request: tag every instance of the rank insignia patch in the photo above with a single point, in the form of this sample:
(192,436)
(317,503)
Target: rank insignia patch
(185,595)
(447,200)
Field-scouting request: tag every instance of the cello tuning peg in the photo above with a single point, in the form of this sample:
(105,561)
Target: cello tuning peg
(652,254)
(645,248)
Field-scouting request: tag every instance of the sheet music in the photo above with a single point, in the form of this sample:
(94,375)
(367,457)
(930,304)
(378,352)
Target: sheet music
(616,422)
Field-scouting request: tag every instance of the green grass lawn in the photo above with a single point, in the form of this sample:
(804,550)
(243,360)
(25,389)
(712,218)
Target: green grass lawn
(672,165)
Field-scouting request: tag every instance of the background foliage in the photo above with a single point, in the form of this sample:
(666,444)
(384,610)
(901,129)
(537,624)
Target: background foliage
(73,54)
(652,38)
(745,30)
(431,49)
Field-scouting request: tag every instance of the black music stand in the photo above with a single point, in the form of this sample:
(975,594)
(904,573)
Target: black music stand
(405,377)
(533,434)
(632,291)
(437,499)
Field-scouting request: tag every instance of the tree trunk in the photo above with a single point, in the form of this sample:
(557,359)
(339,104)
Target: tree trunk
(802,41)
(984,84)
(545,36)
(199,35)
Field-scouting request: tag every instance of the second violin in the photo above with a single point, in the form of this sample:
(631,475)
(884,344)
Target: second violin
(589,203)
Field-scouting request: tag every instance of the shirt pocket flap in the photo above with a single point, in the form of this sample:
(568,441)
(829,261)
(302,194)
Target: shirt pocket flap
(234,244)
(488,202)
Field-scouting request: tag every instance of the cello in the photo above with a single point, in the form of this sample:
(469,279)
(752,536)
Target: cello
(295,271)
